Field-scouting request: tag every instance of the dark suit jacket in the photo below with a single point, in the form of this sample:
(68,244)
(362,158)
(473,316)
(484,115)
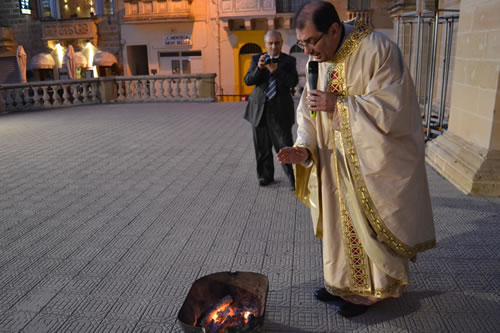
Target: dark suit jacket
(286,77)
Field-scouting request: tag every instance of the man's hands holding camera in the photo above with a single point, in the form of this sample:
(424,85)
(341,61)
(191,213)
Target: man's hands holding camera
(265,61)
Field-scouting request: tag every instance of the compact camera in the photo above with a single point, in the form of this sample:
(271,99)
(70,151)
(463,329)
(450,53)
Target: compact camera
(270,60)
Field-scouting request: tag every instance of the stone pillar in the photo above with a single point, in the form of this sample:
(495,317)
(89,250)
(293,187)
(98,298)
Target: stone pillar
(107,89)
(207,88)
(468,154)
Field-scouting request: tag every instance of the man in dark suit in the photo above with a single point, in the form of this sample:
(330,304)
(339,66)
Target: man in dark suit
(270,107)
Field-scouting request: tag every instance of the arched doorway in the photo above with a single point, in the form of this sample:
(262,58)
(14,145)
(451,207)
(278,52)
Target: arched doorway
(246,53)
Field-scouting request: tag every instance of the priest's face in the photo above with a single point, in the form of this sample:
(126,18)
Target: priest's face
(321,46)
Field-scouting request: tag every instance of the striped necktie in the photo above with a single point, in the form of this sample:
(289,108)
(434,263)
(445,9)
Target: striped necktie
(271,88)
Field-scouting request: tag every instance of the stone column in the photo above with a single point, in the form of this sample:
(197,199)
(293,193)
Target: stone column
(468,154)
(107,89)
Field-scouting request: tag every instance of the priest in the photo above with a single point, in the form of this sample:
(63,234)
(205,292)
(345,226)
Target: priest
(359,160)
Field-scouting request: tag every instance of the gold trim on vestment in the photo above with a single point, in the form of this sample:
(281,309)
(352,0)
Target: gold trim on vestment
(391,291)
(352,42)
(337,85)
(307,183)
(356,259)
(364,198)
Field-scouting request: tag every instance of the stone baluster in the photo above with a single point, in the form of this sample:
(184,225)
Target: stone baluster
(86,93)
(137,90)
(27,91)
(66,96)
(170,90)
(152,90)
(144,90)
(178,89)
(37,97)
(56,97)
(19,99)
(128,88)
(75,94)
(121,91)
(9,101)
(95,92)
(3,106)
(185,93)
(194,91)
(162,91)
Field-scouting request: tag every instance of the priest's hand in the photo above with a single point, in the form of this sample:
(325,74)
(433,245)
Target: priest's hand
(292,155)
(321,101)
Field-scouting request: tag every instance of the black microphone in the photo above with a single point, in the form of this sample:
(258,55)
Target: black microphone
(312,79)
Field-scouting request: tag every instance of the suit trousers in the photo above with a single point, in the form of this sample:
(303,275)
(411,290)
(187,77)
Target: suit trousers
(268,134)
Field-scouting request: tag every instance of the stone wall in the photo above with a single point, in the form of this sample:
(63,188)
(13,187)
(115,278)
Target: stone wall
(25,28)
(109,36)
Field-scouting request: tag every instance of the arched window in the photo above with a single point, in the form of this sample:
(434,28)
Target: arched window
(250,49)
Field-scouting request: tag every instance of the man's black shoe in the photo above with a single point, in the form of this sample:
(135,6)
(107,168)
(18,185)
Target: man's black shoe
(265,182)
(323,295)
(350,310)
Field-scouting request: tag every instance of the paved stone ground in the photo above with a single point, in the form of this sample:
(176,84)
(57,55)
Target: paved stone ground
(109,213)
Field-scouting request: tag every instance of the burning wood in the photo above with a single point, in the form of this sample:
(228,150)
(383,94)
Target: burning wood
(224,314)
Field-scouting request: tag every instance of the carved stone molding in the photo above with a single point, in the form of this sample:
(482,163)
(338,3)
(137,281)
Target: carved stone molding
(76,29)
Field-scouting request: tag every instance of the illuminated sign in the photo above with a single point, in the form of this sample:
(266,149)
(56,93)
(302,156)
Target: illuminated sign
(25,7)
(177,40)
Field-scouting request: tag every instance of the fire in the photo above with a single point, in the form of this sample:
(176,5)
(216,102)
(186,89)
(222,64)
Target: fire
(226,314)
(222,313)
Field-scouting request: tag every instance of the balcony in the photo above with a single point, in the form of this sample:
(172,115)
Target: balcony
(155,11)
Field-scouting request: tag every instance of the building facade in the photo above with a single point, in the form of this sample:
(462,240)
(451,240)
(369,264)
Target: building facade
(216,36)
(48,27)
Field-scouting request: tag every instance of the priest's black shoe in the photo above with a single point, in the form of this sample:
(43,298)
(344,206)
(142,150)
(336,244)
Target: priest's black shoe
(265,182)
(350,310)
(323,295)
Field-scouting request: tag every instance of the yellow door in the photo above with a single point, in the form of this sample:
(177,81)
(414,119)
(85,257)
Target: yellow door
(245,60)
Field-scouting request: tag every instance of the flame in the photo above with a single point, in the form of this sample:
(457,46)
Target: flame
(226,311)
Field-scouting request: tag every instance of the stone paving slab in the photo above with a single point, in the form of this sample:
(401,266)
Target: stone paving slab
(108,214)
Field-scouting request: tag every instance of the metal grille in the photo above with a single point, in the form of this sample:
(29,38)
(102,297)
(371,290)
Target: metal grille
(426,41)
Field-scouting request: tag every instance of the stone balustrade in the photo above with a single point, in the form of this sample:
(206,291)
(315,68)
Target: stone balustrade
(365,16)
(122,89)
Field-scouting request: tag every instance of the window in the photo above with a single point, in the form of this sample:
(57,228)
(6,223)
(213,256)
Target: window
(250,49)
(66,9)
(182,62)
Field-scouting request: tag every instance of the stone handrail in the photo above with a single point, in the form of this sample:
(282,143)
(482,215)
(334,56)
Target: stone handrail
(161,88)
(119,89)
(48,94)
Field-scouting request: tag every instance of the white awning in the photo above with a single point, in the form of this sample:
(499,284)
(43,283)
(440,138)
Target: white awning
(42,61)
(103,58)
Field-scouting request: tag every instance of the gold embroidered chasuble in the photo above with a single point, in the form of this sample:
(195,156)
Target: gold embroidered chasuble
(367,185)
